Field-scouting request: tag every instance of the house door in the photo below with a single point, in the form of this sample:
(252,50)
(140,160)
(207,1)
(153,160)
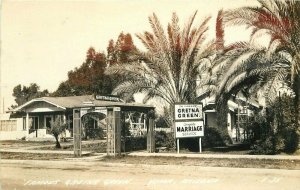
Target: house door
(48,120)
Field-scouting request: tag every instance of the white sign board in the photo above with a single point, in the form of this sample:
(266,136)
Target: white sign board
(188,112)
(189,129)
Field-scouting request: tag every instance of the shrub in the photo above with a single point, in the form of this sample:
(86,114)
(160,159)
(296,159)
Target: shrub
(160,138)
(212,138)
(163,139)
(96,133)
(134,143)
(277,131)
(89,131)
(161,122)
(265,146)
(291,141)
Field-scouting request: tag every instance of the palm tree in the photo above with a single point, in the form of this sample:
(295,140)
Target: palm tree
(171,67)
(280,20)
(241,67)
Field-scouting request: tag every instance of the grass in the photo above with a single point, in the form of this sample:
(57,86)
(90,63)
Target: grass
(99,147)
(207,162)
(33,156)
(180,161)
(23,143)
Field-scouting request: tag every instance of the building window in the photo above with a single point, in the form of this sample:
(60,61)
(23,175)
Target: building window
(24,123)
(33,122)
(70,124)
(48,120)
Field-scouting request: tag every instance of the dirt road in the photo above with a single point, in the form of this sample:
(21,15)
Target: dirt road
(33,174)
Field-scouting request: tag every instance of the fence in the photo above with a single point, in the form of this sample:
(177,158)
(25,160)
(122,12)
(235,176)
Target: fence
(8,125)
(167,130)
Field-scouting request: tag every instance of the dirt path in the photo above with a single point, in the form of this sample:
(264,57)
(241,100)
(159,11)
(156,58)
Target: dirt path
(97,175)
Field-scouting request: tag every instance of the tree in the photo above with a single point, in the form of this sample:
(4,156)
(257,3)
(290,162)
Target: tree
(243,68)
(24,94)
(121,51)
(57,128)
(89,78)
(169,70)
(281,21)
(276,131)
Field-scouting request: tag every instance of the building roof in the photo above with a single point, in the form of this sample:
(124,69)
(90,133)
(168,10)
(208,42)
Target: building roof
(80,102)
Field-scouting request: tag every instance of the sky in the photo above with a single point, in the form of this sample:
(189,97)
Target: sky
(42,40)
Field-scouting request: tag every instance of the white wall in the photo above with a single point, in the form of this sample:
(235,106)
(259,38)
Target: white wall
(16,134)
(12,135)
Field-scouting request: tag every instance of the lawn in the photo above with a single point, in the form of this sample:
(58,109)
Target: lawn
(207,162)
(33,156)
(23,144)
(98,147)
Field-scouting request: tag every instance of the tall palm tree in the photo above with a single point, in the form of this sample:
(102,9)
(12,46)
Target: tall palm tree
(241,67)
(172,64)
(279,19)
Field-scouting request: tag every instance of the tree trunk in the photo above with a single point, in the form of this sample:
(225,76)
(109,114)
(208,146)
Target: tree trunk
(57,142)
(222,111)
(296,88)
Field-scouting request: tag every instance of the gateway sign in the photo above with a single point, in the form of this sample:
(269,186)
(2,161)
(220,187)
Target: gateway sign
(188,112)
(189,129)
(189,120)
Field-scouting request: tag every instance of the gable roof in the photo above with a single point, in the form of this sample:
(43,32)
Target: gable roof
(79,102)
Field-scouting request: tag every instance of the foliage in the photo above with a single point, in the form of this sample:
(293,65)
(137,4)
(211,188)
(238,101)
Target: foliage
(89,129)
(121,51)
(135,143)
(57,128)
(25,94)
(279,20)
(125,132)
(212,137)
(160,138)
(89,78)
(163,139)
(161,122)
(96,133)
(243,68)
(170,68)
(90,132)
(278,132)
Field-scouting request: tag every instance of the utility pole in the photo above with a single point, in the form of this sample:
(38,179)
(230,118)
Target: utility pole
(3,105)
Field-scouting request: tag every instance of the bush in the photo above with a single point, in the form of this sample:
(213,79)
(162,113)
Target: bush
(273,144)
(89,131)
(276,132)
(161,122)
(163,139)
(160,138)
(212,138)
(192,144)
(97,133)
(134,143)
(291,141)
(265,146)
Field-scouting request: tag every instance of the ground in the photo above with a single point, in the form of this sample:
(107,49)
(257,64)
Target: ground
(98,175)
(50,170)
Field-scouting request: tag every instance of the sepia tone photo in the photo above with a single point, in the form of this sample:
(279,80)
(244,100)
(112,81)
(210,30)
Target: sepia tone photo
(149,94)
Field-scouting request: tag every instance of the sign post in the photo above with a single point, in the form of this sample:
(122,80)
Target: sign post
(189,122)
(200,145)
(177,145)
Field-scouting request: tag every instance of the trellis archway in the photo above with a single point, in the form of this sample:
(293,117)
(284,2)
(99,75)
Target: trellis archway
(113,121)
